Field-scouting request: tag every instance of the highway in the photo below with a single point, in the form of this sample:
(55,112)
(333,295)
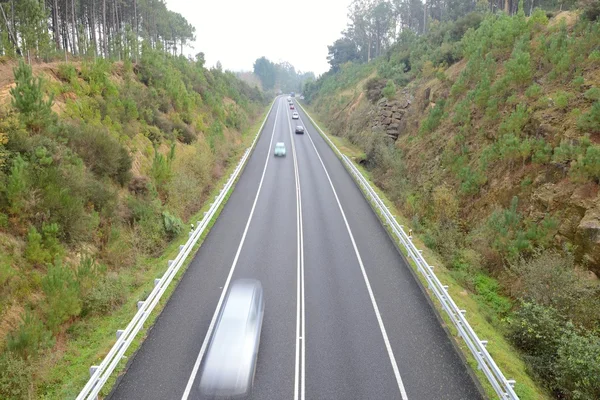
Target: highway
(344,315)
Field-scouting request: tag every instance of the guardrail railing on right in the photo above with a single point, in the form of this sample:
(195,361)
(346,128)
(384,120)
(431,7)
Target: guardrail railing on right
(502,386)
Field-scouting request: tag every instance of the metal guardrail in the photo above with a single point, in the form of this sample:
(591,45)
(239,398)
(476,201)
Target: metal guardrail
(503,387)
(101,373)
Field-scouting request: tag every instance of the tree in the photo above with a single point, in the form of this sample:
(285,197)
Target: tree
(342,51)
(28,99)
(266,72)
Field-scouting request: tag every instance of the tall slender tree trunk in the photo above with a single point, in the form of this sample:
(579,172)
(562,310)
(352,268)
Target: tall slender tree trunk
(74,28)
(137,30)
(93,26)
(105,39)
(11,35)
(507,6)
(55,28)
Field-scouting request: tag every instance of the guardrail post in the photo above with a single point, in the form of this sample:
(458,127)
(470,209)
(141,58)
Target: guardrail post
(156,281)
(170,262)
(119,333)
(181,246)
(140,304)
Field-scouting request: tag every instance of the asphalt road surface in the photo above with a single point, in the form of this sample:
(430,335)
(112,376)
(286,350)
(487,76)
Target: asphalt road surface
(344,316)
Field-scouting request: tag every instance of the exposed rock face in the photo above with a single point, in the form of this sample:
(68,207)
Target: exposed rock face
(389,116)
(577,208)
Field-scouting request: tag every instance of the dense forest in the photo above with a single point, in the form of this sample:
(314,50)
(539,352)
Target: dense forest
(109,28)
(280,76)
(482,127)
(104,159)
(374,25)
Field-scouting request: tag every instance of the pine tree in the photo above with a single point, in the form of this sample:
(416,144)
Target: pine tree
(28,99)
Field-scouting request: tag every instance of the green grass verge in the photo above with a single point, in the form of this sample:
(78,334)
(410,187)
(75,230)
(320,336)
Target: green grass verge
(506,357)
(94,337)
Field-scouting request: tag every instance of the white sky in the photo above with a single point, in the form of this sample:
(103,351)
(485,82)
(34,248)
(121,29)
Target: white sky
(237,32)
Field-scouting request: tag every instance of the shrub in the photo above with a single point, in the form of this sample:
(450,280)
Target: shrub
(103,155)
(488,289)
(561,99)
(578,366)
(549,279)
(34,252)
(15,376)
(104,296)
(389,91)
(29,337)
(592,94)
(515,122)
(538,331)
(28,99)
(17,185)
(433,118)
(62,295)
(374,88)
(518,68)
(172,224)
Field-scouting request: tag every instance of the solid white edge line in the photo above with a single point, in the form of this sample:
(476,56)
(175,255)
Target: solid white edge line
(188,387)
(364,273)
(299,377)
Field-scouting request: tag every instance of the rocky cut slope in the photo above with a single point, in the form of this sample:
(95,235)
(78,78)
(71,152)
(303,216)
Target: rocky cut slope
(489,140)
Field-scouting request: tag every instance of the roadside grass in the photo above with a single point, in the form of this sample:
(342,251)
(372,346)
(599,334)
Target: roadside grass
(92,338)
(506,357)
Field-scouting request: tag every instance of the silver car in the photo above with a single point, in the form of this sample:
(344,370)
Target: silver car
(230,362)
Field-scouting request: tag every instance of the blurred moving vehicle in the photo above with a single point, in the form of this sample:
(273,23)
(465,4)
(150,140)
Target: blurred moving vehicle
(279,149)
(300,129)
(230,362)
(295,115)
(291,106)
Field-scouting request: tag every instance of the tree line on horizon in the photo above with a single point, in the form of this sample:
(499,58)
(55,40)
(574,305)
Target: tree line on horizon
(105,28)
(375,25)
(282,76)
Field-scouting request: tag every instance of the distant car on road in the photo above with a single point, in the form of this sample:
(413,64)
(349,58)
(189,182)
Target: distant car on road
(291,106)
(295,115)
(230,362)
(300,129)
(289,99)
(279,149)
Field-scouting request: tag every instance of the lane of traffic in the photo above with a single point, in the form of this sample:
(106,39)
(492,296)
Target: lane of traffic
(428,362)
(161,367)
(345,352)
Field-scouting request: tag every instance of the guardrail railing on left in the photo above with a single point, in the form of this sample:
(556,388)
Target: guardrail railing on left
(101,373)
(503,387)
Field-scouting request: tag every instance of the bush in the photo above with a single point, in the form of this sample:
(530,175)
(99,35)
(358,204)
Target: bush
(433,118)
(104,296)
(549,279)
(15,377)
(538,331)
(62,295)
(518,68)
(592,94)
(28,99)
(172,224)
(34,252)
(389,91)
(103,155)
(590,121)
(29,337)
(578,366)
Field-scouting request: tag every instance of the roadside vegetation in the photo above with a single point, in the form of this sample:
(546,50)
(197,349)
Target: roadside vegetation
(495,166)
(103,161)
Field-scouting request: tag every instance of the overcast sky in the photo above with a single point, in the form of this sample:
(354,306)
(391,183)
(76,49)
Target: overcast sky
(237,32)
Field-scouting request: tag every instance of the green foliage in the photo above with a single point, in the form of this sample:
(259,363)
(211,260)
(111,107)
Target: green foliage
(515,122)
(28,99)
(434,118)
(511,236)
(592,94)
(62,295)
(578,366)
(17,186)
(172,224)
(561,99)
(590,121)
(103,155)
(107,293)
(489,290)
(34,252)
(15,376)
(161,171)
(29,337)
(518,68)
(389,91)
